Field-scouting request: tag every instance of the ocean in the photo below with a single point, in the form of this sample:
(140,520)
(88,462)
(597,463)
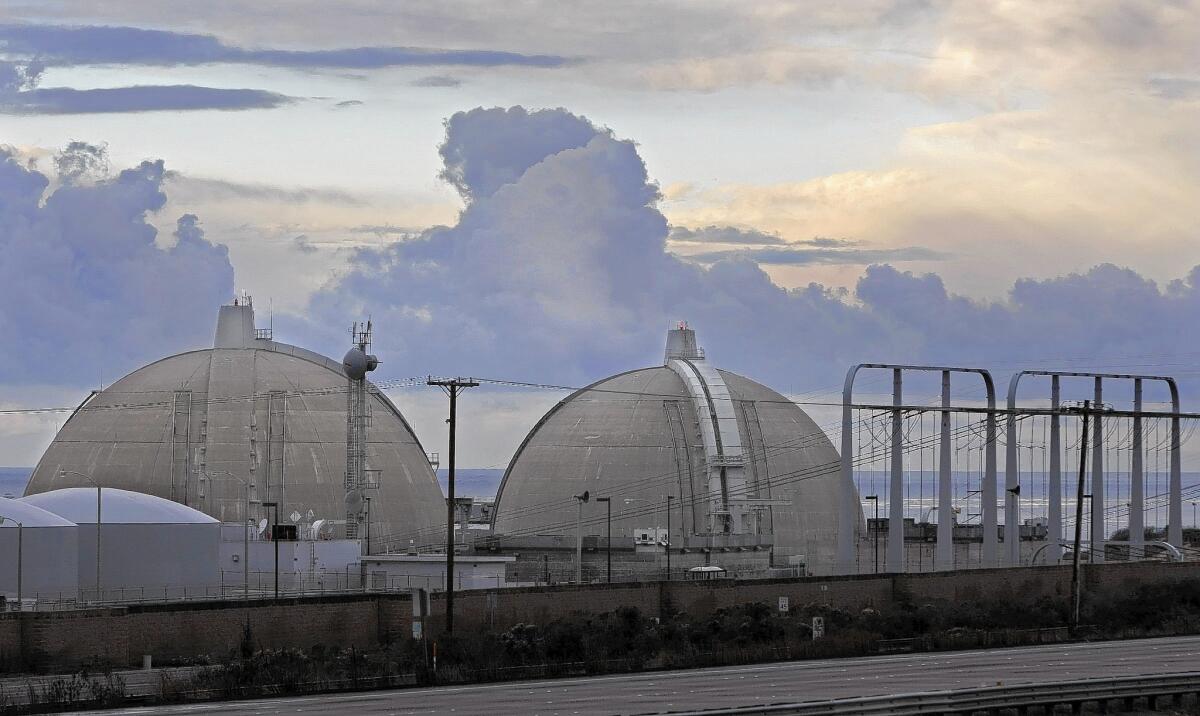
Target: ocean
(13,479)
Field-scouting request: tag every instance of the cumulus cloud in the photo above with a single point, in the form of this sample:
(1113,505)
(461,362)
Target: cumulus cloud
(19,94)
(92,45)
(488,149)
(86,289)
(558,270)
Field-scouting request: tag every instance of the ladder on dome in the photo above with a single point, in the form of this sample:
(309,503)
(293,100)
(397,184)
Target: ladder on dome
(181,433)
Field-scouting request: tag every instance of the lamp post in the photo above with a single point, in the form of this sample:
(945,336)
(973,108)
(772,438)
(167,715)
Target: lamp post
(63,473)
(20,559)
(579,538)
(367,500)
(875,528)
(275,539)
(668,545)
(245,529)
(608,543)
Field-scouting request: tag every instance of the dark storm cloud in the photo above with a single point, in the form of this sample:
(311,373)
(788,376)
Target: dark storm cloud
(20,94)
(147,98)
(84,287)
(98,45)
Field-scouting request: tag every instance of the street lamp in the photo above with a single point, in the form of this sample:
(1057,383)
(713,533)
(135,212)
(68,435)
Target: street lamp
(62,473)
(875,528)
(579,538)
(367,500)
(668,545)
(275,539)
(20,558)
(608,544)
(245,528)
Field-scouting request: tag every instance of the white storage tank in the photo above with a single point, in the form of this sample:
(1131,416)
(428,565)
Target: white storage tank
(150,548)
(40,549)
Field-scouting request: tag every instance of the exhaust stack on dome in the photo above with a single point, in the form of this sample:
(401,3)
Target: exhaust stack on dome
(681,343)
(235,325)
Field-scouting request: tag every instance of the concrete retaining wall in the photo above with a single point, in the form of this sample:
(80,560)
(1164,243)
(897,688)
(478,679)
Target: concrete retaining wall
(50,641)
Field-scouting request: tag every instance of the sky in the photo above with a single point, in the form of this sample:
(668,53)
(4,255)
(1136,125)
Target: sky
(535,191)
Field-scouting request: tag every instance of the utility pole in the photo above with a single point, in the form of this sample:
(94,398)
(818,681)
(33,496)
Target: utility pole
(1076,586)
(452,387)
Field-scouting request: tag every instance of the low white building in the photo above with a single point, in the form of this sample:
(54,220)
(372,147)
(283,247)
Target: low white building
(38,549)
(150,548)
(305,565)
(401,572)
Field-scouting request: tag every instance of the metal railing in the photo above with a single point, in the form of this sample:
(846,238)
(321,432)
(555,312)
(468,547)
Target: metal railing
(987,699)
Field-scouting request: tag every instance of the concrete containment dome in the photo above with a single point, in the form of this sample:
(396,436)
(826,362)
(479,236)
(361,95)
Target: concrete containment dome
(745,466)
(251,415)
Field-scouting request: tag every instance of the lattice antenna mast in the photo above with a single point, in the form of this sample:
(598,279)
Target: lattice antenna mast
(359,478)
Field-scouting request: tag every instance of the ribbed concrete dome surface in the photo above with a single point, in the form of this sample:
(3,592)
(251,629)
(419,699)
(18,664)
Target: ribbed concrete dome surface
(267,412)
(636,436)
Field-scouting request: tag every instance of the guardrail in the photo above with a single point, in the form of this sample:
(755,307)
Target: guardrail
(988,699)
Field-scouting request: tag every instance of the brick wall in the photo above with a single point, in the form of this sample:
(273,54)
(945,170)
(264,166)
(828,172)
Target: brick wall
(47,641)
(168,632)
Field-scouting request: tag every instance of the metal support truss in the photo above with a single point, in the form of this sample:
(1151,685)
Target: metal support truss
(1136,494)
(849,512)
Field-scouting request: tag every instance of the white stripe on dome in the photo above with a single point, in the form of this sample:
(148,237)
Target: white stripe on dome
(719,430)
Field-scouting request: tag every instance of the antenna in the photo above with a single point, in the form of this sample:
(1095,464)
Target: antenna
(357,362)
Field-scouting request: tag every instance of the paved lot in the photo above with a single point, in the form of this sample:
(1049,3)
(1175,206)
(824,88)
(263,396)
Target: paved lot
(744,686)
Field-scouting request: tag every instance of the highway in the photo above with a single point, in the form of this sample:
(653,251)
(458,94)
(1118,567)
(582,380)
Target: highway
(696,689)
